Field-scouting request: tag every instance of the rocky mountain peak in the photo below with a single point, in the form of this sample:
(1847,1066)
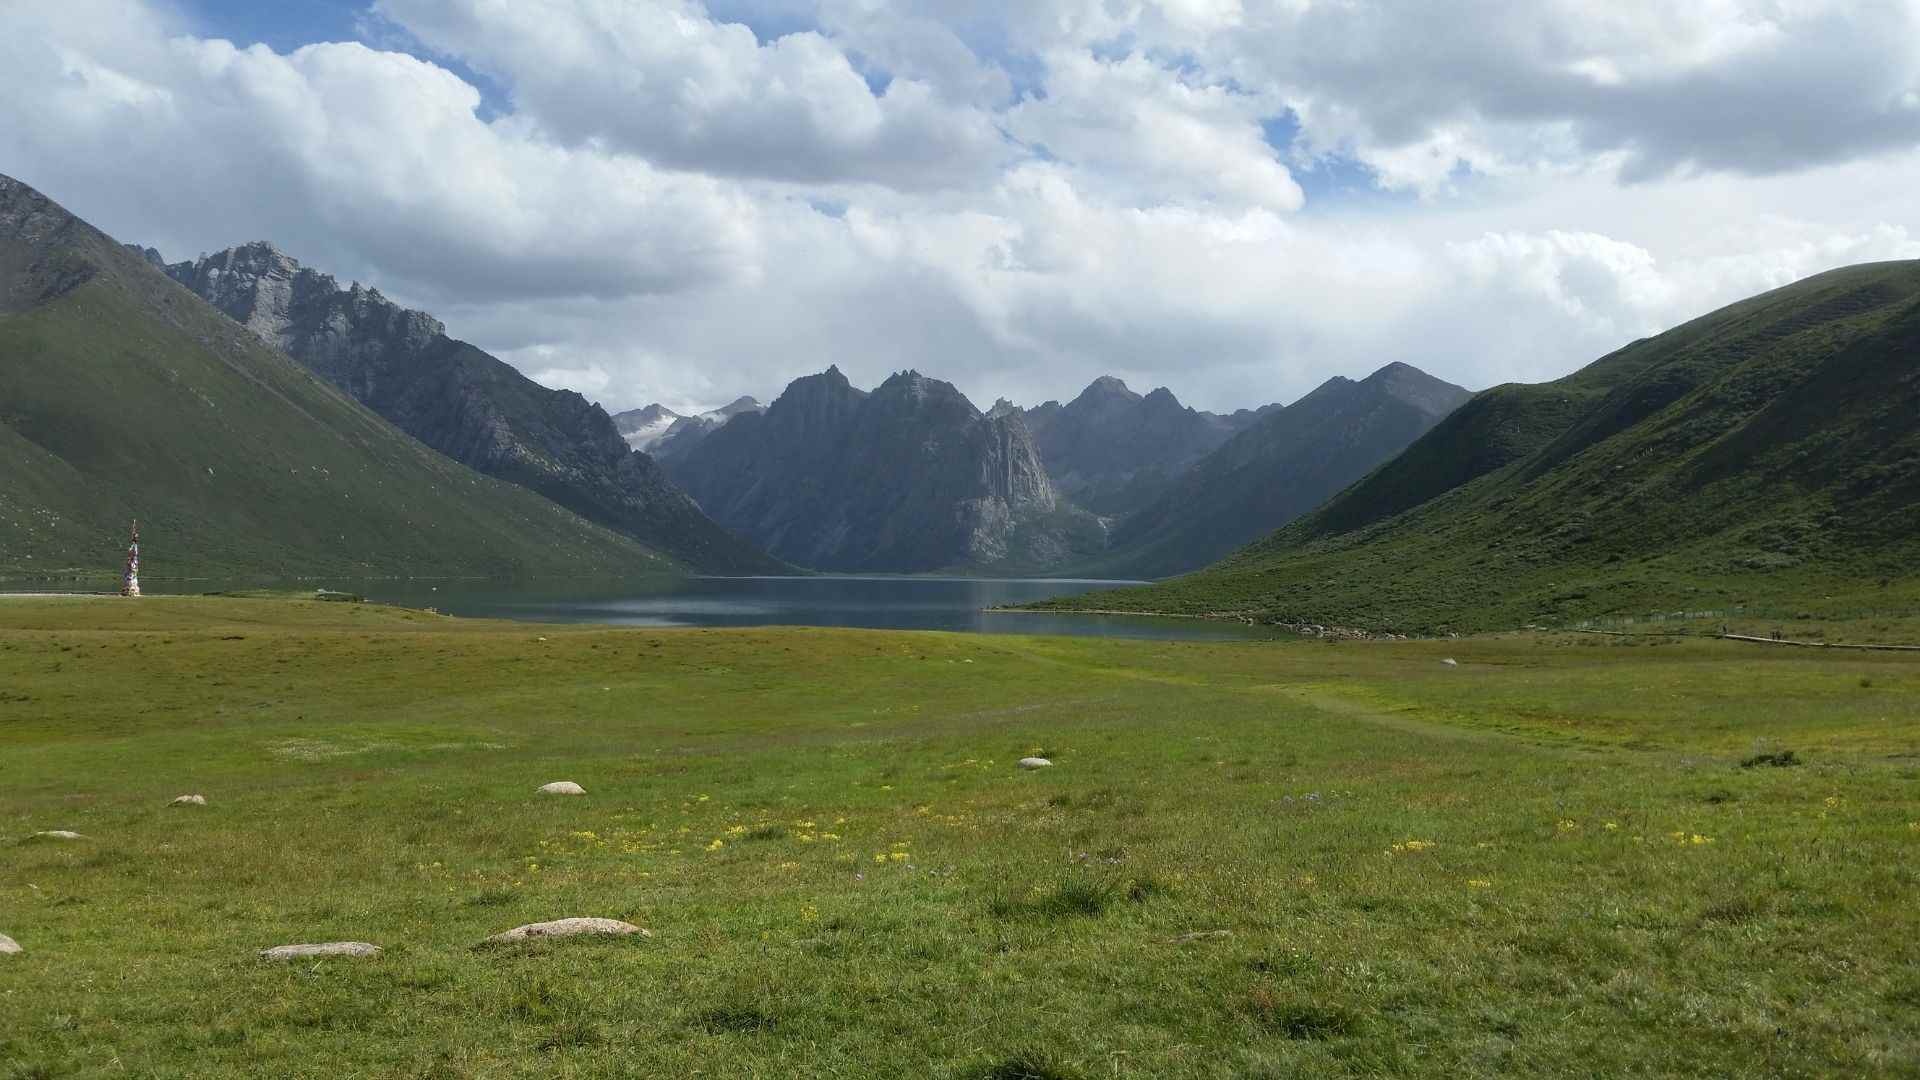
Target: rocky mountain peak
(918,393)
(280,301)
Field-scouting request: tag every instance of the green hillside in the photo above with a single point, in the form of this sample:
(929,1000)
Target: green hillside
(122,395)
(1764,457)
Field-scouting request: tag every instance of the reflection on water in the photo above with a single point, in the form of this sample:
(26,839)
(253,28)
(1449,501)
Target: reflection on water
(893,603)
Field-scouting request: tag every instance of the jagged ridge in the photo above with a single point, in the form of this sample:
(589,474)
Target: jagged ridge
(461,401)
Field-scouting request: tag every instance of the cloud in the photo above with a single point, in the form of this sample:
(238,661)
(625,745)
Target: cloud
(663,80)
(372,162)
(1748,86)
(660,200)
(1139,128)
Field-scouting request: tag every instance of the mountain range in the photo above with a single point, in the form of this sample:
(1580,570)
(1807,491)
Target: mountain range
(1760,456)
(686,432)
(908,478)
(1284,463)
(1114,451)
(463,402)
(124,395)
(1113,483)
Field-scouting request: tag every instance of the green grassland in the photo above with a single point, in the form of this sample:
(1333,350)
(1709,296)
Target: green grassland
(1546,861)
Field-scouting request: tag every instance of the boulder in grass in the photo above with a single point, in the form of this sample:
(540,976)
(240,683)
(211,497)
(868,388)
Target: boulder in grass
(1451,662)
(189,800)
(320,951)
(562,787)
(1034,763)
(58,834)
(565,928)
(9,947)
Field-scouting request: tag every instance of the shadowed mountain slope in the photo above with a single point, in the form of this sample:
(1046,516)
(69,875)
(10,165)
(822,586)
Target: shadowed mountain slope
(1114,452)
(1288,462)
(910,477)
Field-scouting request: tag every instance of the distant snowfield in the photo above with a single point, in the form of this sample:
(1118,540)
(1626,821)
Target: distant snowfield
(646,435)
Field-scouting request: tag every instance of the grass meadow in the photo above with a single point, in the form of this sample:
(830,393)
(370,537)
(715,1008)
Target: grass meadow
(1568,855)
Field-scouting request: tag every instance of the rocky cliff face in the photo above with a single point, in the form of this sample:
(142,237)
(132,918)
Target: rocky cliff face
(1115,451)
(908,478)
(461,401)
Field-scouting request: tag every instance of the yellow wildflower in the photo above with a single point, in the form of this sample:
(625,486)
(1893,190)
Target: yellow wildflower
(879,856)
(1612,826)
(1479,883)
(1568,825)
(809,913)
(717,844)
(898,856)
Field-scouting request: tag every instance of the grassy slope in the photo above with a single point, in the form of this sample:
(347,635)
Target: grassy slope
(235,459)
(1762,458)
(371,772)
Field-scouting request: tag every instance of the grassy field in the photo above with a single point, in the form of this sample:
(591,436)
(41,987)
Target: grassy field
(1258,860)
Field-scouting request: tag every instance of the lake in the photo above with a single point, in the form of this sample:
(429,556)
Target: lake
(888,603)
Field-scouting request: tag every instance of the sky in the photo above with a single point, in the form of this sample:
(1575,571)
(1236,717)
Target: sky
(677,201)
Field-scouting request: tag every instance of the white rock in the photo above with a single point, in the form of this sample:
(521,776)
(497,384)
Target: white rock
(58,834)
(562,787)
(1035,763)
(1451,662)
(9,947)
(567,928)
(330,948)
(189,800)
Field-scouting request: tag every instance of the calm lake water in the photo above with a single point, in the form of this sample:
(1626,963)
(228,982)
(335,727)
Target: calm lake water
(891,603)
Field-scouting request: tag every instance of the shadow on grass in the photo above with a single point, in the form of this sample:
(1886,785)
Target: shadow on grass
(735,1019)
(1075,898)
(1294,1018)
(1025,1065)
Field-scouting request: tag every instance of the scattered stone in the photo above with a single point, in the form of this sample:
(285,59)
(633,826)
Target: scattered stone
(9,947)
(567,928)
(58,834)
(1201,935)
(189,800)
(1035,763)
(562,787)
(1451,662)
(310,952)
